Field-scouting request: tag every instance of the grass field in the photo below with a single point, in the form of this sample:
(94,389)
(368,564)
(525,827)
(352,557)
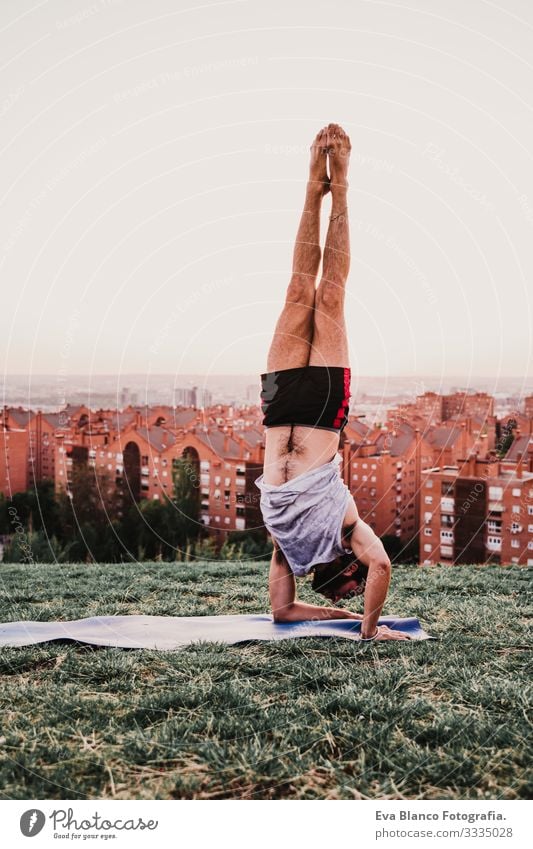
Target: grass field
(298,719)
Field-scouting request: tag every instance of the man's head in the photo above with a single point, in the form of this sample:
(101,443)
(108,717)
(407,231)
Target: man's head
(343,577)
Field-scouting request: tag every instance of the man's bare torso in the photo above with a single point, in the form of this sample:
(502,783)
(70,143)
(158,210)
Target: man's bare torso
(292,451)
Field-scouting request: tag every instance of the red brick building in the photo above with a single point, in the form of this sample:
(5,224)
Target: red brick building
(14,450)
(142,460)
(480,511)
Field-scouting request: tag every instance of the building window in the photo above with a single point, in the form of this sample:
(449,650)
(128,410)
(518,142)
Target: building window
(429,483)
(517,491)
(365,465)
(515,543)
(144,459)
(428,532)
(356,477)
(516,508)
(530,529)
(427,546)
(495,493)
(530,509)
(428,499)
(373,478)
(427,516)
(530,545)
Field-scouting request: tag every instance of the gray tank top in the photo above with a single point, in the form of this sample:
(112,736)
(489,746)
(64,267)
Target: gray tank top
(305,515)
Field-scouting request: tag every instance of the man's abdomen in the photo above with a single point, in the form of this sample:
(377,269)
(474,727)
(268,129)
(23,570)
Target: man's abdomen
(310,448)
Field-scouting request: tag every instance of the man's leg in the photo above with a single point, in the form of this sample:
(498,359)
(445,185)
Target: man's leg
(291,344)
(330,343)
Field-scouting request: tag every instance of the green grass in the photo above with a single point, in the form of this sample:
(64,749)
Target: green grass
(298,719)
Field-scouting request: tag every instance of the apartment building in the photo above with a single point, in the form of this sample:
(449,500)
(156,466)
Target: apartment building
(467,404)
(477,512)
(14,451)
(383,471)
(142,460)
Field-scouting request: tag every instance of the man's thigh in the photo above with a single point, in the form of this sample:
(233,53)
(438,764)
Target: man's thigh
(292,340)
(330,340)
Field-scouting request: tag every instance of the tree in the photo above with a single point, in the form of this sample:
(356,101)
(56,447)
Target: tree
(186,501)
(88,513)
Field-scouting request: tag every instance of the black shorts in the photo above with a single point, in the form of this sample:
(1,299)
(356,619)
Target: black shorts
(314,396)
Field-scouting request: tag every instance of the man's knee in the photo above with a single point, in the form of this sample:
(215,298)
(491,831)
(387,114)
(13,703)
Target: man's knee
(330,299)
(299,292)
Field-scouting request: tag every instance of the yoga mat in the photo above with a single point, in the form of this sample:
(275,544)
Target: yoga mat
(167,633)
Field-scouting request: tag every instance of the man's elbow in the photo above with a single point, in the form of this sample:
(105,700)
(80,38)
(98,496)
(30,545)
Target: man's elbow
(381,566)
(282,614)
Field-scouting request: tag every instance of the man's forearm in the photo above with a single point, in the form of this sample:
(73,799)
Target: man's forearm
(377,585)
(298,611)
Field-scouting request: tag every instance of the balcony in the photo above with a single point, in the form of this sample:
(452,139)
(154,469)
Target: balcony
(496,507)
(494,544)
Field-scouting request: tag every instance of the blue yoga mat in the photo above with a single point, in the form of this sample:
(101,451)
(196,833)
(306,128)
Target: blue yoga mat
(167,633)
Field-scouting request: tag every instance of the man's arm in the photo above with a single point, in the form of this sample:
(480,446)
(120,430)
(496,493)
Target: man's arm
(282,588)
(369,549)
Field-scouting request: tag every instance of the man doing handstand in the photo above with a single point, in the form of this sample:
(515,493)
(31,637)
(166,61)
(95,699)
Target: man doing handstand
(307,508)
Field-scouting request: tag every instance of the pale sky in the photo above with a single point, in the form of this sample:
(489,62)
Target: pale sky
(154,158)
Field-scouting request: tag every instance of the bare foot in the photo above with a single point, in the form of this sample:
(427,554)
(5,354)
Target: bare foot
(318,172)
(339,148)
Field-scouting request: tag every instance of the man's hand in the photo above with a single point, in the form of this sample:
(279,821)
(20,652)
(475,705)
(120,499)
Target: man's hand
(386,633)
